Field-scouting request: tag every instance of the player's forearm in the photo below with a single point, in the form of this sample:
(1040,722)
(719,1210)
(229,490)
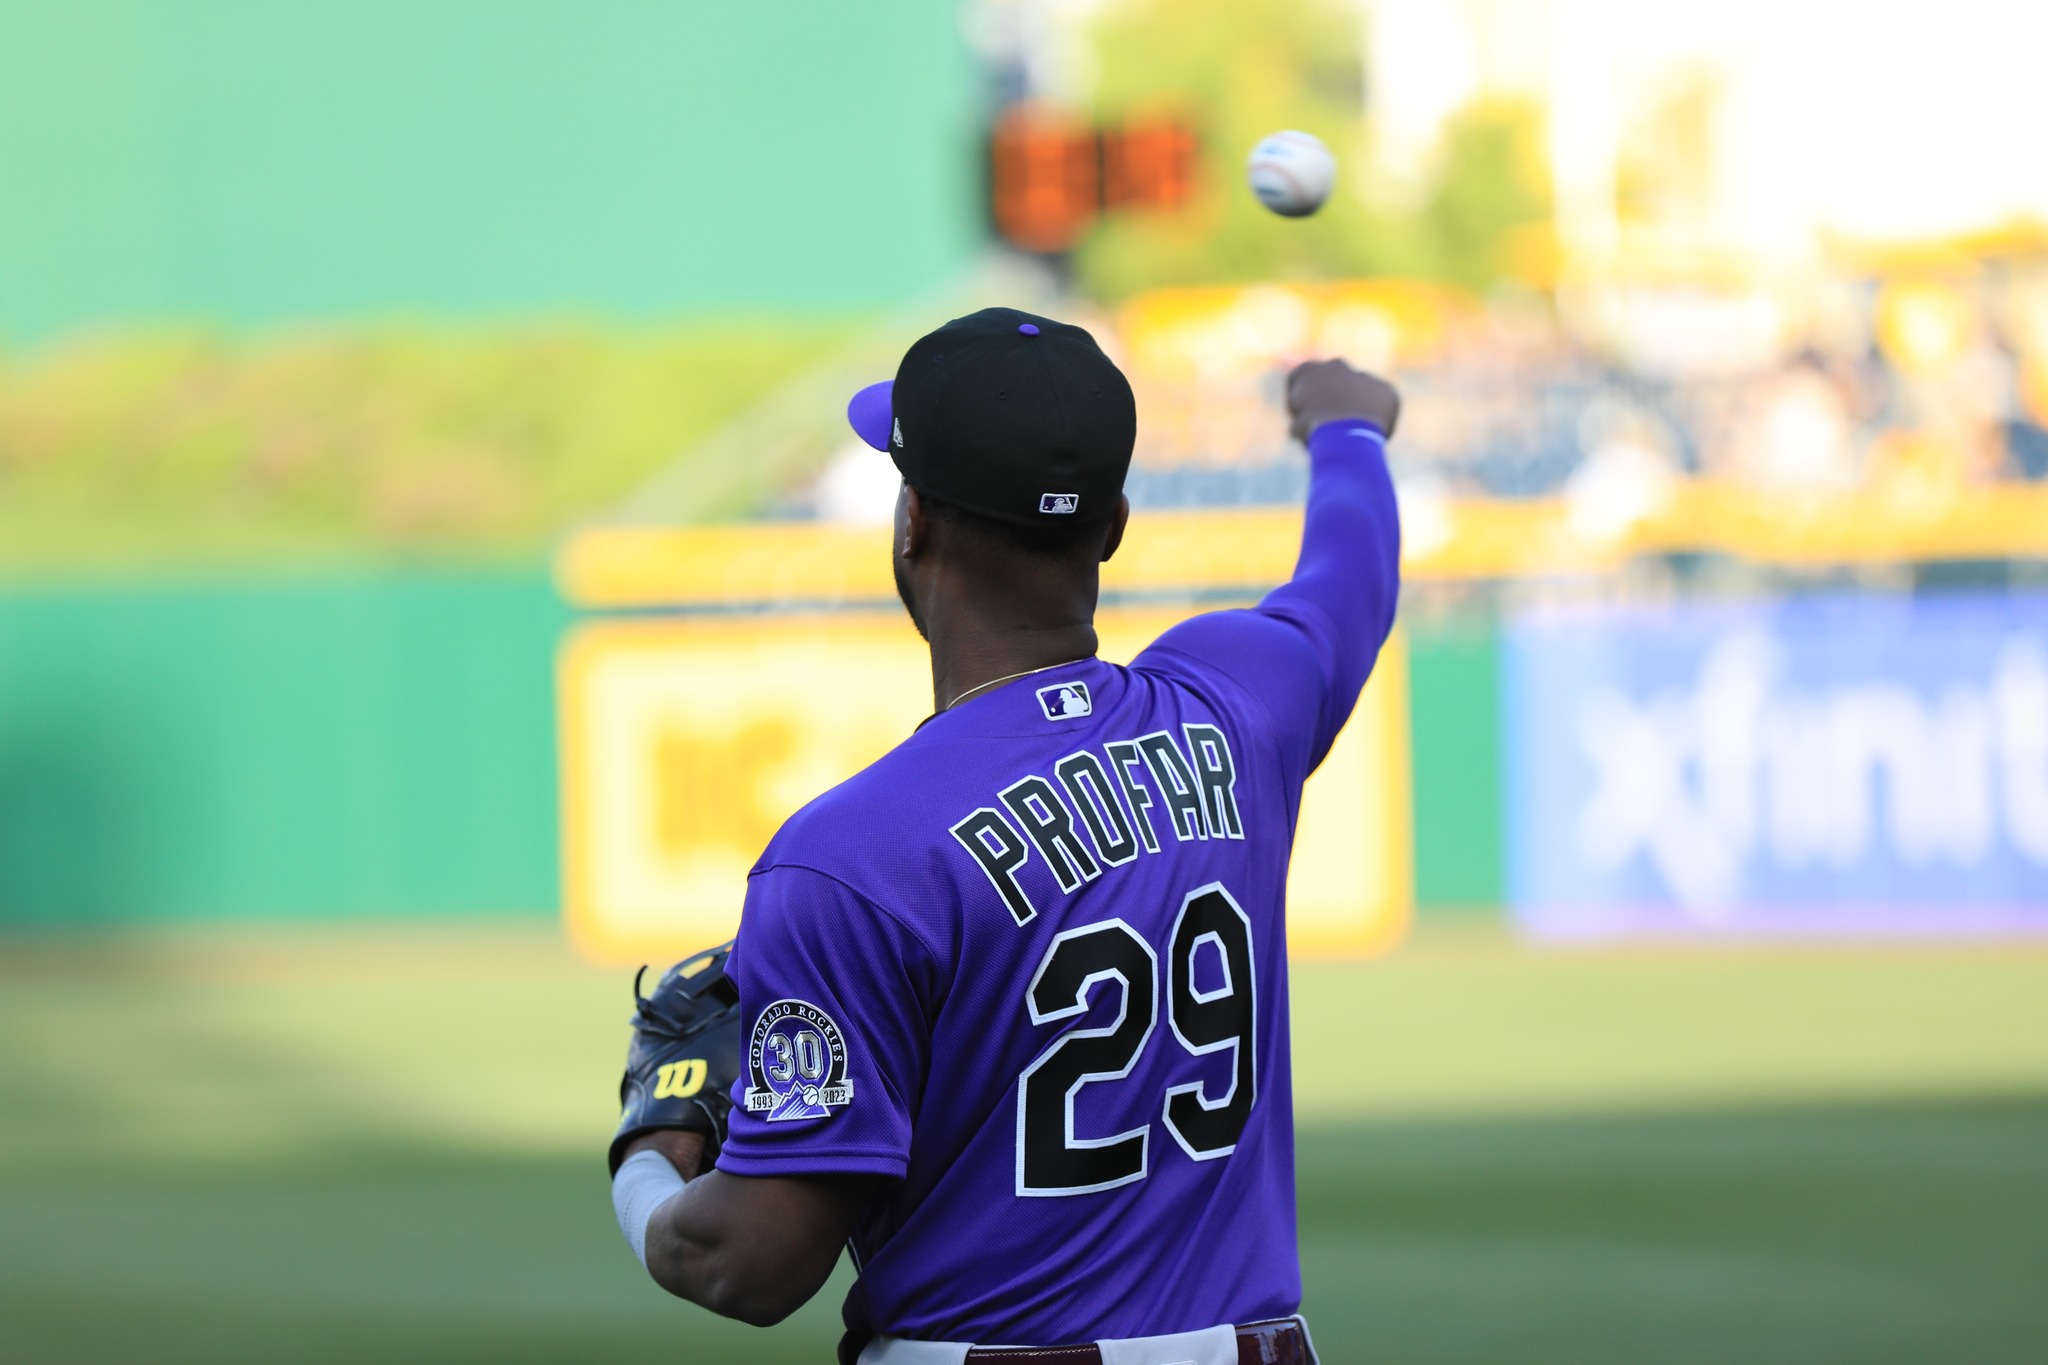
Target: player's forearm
(693,1253)
(659,1184)
(1350,564)
(751,1249)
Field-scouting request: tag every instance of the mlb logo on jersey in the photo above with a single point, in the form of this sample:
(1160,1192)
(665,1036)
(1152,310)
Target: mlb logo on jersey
(1061,504)
(1065,701)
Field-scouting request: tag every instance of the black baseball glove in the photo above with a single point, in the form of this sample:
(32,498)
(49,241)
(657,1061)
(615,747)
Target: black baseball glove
(685,1054)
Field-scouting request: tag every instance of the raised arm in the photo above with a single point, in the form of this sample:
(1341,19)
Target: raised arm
(1307,648)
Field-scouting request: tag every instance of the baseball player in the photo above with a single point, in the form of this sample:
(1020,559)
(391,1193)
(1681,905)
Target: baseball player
(1007,1010)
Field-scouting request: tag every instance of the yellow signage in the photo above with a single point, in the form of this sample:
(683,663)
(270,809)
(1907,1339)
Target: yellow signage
(1249,549)
(686,742)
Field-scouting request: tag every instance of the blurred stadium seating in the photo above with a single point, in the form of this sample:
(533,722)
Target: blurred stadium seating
(1839,381)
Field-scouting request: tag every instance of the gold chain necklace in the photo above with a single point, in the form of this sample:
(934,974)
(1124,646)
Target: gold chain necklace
(1009,677)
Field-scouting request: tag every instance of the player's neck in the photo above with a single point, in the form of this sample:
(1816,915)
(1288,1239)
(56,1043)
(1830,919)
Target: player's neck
(971,653)
(990,619)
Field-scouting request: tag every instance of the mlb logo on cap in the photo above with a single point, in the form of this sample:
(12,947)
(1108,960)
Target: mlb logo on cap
(1062,503)
(1065,701)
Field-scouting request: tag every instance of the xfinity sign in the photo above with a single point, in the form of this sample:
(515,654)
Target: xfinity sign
(1843,765)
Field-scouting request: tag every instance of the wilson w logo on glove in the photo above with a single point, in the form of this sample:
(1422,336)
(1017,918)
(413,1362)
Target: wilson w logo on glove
(680,1080)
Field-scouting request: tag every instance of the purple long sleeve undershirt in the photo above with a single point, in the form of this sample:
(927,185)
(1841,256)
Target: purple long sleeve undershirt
(1309,645)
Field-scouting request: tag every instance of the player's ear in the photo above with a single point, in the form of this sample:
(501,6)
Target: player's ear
(1116,528)
(911,526)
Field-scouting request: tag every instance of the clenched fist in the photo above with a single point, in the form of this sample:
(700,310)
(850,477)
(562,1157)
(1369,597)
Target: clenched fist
(1320,391)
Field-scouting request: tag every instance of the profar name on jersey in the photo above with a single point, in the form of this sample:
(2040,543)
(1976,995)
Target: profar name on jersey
(1101,810)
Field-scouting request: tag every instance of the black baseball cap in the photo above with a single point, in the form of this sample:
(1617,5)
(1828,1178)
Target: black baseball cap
(1007,414)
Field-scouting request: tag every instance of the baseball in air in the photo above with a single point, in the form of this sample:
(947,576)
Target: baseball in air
(1291,173)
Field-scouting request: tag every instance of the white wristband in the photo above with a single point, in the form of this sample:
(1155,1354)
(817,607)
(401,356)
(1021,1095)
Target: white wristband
(644,1183)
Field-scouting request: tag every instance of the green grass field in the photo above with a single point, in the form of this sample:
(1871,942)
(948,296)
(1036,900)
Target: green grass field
(385,1145)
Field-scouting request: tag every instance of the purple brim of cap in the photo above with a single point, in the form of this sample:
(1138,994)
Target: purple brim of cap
(869,414)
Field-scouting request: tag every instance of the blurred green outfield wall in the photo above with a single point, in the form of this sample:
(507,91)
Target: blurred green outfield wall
(368,744)
(249,161)
(1455,755)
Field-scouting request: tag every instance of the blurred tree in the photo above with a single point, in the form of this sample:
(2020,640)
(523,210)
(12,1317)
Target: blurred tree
(1240,71)
(1493,183)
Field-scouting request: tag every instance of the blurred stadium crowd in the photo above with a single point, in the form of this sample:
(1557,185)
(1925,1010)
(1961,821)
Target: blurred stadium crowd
(1914,382)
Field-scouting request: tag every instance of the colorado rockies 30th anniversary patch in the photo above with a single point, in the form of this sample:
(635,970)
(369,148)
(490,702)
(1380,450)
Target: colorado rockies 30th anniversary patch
(796,1064)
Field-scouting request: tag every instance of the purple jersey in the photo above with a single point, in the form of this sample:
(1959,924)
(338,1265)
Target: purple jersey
(1032,965)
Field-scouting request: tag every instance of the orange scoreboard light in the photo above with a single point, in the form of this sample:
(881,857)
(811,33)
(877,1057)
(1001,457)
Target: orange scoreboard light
(1148,164)
(1051,174)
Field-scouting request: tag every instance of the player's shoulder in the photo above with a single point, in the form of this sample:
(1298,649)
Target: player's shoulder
(1266,668)
(841,854)
(867,831)
(1238,646)
(838,822)
(1242,663)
